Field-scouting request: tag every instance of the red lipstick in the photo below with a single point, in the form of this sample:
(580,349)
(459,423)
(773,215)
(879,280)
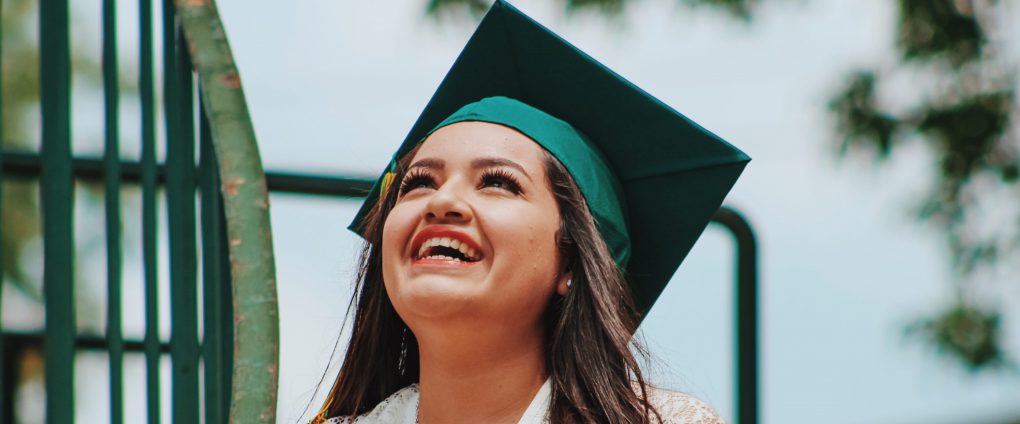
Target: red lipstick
(441,231)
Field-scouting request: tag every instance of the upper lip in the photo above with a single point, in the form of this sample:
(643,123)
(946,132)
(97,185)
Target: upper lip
(441,231)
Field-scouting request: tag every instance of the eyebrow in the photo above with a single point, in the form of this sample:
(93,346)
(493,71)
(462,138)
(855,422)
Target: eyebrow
(495,162)
(429,163)
(489,162)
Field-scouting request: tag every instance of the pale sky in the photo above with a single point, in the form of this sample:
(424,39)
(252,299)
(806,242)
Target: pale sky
(333,87)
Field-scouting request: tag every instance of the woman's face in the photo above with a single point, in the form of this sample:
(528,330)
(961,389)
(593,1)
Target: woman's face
(473,233)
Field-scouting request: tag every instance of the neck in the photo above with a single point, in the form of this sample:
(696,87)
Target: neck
(489,378)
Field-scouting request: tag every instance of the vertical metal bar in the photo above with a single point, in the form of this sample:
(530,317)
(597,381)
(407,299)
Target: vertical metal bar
(180,189)
(11,376)
(57,194)
(747,317)
(4,391)
(746,357)
(111,169)
(217,336)
(146,88)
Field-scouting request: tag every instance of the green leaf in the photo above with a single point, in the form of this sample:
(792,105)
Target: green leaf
(935,29)
(858,118)
(965,332)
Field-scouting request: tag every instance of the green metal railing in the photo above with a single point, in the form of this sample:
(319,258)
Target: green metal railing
(57,196)
(242,266)
(238,361)
(111,163)
(246,206)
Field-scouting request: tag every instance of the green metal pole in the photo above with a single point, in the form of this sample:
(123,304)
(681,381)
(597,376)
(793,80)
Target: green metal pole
(146,88)
(217,326)
(256,317)
(12,355)
(111,165)
(3,374)
(57,195)
(746,358)
(25,166)
(180,199)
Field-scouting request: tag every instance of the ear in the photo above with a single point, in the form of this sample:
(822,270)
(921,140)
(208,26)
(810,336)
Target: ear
(563,283)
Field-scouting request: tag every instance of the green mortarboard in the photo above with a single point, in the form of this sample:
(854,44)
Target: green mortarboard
(651,177)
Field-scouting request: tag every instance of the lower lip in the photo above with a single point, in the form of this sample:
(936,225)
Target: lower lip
(442,262)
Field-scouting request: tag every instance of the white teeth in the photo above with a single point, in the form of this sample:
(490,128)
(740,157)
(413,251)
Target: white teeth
(448,242)
(442,257)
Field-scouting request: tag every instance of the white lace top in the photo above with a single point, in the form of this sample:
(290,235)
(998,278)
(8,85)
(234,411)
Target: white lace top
(402,408)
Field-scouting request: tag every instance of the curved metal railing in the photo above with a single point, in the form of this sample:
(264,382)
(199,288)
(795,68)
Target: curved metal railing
(246,204)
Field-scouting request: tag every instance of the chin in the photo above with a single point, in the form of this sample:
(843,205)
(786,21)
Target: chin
(433,297)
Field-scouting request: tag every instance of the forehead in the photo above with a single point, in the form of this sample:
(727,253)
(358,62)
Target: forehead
(471,139)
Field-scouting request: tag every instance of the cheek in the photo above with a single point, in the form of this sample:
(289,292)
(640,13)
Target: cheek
(529,240)
(396,231)
(525,279)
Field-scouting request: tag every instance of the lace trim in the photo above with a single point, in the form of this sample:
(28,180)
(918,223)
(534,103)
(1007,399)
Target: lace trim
(681,408)
(400,407)
(673,407)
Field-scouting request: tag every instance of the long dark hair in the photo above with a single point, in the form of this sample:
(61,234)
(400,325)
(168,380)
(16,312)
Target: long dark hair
(595,376)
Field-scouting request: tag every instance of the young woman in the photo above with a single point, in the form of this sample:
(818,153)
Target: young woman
(510,254)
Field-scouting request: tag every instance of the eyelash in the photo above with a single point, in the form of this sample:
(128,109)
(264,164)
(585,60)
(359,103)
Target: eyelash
(415,179)
(419,178)
(503,176)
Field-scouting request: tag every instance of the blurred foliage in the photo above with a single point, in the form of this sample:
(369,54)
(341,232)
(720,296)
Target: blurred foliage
(20,212)
(964,332)
(476,7)
(737,8)
(965,118)
(859,118)
(941,28)
(968,133)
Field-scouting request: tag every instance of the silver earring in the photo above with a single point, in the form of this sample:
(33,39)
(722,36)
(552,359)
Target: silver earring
(569,282)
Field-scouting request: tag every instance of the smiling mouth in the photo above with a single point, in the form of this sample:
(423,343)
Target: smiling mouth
(446,249)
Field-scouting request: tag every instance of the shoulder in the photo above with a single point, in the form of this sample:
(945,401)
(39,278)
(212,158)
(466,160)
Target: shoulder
(681,408)
(400,407)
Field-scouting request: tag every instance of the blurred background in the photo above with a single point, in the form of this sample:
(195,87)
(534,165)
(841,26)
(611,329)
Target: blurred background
(883,189)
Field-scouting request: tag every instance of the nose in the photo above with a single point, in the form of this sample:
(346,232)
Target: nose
(447,205)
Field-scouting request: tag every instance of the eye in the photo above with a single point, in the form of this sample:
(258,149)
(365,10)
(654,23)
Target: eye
(500,179)
(417,178)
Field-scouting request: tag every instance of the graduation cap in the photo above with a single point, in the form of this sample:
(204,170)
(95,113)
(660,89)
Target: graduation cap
(651,177)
